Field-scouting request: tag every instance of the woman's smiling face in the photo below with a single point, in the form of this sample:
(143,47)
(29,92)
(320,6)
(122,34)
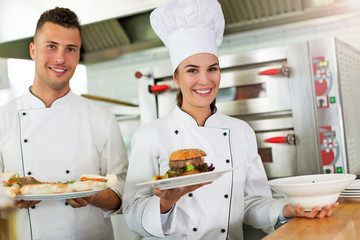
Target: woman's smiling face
(198,77)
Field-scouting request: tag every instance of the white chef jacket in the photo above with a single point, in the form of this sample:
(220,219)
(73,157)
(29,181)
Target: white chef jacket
(60,143)
(214,211)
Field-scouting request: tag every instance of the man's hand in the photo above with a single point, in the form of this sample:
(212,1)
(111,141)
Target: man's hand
(80,202)
(106,199)
(25,204)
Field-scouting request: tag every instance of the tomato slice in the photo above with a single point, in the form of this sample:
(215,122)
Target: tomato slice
(83,179)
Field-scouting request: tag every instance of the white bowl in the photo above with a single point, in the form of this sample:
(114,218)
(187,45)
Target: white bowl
(312,190)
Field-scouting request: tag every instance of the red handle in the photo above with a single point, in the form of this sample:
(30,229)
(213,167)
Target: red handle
(276,140)
(271,72)
(158,88)
(138,75)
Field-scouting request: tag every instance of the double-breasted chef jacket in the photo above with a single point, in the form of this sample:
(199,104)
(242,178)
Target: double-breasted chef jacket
(214,211)
(60,143)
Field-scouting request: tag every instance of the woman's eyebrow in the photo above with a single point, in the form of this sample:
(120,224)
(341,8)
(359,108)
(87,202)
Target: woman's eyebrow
(196,66)
(191,65)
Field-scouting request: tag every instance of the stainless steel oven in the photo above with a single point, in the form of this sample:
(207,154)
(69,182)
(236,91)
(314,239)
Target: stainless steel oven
(293,98)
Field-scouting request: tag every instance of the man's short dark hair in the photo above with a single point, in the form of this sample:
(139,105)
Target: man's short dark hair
(61,16)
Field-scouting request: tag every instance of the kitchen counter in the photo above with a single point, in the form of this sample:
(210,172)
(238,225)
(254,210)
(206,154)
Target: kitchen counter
(344,224)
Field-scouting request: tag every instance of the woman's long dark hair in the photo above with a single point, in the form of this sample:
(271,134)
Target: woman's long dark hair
(179,97)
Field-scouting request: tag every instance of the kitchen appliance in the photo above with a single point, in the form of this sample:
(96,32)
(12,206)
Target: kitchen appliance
(300,100)
(4,80)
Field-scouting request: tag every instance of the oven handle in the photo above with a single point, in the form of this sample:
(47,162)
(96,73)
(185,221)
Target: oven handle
(290,139)
(158,88)
(270,72)
(284,70)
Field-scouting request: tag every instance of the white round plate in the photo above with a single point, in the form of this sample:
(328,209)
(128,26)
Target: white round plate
(355,185)
(350,193)
(351,198)
(187,180)
(56,196)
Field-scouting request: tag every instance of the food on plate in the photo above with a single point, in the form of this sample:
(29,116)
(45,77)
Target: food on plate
(186,162)
(93,182)
(10,179)
(157,177)
(11,183)
(44,188)
(5,176)
(29,180)
(14,185)
(11,191)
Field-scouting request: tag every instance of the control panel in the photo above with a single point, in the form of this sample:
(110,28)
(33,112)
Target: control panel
(329,130)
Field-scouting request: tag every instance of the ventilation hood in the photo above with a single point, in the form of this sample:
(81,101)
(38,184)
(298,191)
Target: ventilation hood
(116,36)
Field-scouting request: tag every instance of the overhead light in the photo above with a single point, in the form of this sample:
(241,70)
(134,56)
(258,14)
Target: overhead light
(319,3)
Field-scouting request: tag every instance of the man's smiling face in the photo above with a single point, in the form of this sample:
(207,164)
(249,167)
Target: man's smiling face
(56,52)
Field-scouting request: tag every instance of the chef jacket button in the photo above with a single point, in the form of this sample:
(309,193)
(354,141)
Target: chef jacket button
(223,230)
(24,113)
(33,207)
(66,203)
(227,160)
(226,196)
(29,173)
(194,229)
(25,140)
(190,195)
(224,133)
(67,171)
(176,131)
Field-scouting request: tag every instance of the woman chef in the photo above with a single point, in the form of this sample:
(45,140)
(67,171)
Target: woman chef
(192,30)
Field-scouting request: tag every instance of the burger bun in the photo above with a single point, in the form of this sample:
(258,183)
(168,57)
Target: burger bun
(184,154)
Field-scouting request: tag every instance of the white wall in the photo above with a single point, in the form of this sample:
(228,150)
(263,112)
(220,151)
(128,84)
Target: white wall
(18,17)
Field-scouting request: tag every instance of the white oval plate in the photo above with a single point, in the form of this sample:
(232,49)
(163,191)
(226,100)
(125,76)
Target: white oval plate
(56,196)
(187,180)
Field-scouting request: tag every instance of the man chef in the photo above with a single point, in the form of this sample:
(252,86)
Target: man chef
(54,135)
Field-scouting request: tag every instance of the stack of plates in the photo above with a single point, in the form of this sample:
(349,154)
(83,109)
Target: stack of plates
(352,192)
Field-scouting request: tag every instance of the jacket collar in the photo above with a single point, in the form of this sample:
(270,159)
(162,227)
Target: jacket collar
(188,119)
(33,101)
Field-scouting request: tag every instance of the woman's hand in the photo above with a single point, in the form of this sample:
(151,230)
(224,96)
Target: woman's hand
(317,212)
(169,197)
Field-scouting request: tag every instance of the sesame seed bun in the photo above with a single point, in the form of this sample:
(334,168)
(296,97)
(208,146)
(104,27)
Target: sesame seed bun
(184,154)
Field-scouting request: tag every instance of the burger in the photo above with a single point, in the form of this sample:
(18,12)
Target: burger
(187,161)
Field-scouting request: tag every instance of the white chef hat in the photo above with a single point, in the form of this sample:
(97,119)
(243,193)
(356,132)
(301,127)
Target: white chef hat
(188,27)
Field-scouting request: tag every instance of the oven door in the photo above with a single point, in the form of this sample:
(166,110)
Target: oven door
(279,158)
(244,92)
(276,146)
